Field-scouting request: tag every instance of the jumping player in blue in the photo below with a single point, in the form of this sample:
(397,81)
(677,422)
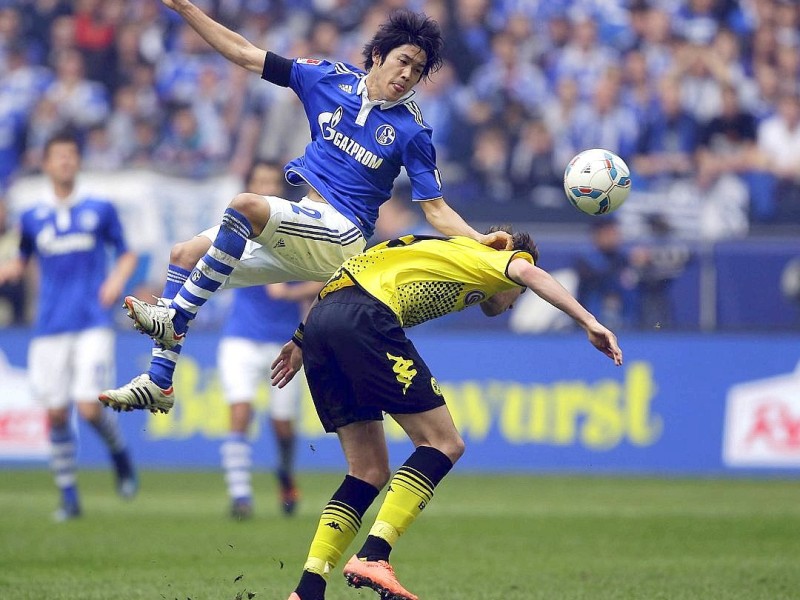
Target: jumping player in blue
(70,359)
(364,126)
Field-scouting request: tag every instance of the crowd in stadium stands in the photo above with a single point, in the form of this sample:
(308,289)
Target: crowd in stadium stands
(698,94)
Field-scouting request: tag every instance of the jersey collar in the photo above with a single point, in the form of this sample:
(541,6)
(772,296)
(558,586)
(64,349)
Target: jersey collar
(362,91)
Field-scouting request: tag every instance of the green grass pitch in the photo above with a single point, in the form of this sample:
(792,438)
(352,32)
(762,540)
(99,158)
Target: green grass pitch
(484,537)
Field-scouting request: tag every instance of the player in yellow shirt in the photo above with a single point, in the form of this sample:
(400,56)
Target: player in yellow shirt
(359,364)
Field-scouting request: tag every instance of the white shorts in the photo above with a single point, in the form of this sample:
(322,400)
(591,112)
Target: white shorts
(74,366)
(244,365)
(302,241)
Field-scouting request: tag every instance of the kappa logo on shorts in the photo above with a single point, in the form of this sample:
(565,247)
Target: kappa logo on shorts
(435,387)
(405,370)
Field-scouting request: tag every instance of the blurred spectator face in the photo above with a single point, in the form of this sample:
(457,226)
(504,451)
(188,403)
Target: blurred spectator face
(559,30)
(702,6)
(191,42)
(764,43)
(325,39)
(266,180)
(767,80)
(538,137)
(9,24)
(62,34)
(789,110)
(491,148)
(61,163)
(585,34)
(184,123)
(607,237)
(567,91)
(70,66)
(636,68)
(787,60)
(726,46)
(670,97)
(505,50)
(658,29)
(471,13)
(606,95)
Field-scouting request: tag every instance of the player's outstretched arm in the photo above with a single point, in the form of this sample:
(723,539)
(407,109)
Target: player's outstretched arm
(446,221)
(118,276)
(545,286)
(230,44)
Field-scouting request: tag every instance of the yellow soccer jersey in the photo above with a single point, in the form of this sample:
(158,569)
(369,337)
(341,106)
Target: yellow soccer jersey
(421,278)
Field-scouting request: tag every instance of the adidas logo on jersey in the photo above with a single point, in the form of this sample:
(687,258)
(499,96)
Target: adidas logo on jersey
(280,243)
(346,88)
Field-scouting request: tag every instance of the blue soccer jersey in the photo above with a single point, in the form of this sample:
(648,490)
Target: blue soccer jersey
(72,244)
(358,146)
(255,315)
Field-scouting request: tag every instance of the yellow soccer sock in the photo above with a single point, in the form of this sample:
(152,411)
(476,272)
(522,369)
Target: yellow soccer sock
(410,491)
(338,524)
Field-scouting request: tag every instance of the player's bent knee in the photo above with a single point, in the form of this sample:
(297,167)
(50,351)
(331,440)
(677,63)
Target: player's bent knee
(374,475)
(453,448)
(254,207)
(250,205)
(186,254)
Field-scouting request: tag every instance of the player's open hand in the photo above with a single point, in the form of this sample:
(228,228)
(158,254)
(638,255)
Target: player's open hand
(604,340)
(499,240)
(287,364)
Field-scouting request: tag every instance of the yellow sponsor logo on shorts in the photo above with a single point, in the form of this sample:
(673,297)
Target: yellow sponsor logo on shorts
(405,370)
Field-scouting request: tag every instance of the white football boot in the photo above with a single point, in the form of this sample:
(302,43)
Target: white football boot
(154,320)
(140,394)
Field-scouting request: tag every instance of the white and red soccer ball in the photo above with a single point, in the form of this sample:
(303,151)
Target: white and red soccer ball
(597,181)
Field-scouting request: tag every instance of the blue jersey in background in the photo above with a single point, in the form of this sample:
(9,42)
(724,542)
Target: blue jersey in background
(255,315)
(74,243)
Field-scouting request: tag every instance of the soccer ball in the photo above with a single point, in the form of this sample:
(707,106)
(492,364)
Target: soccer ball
(597,181)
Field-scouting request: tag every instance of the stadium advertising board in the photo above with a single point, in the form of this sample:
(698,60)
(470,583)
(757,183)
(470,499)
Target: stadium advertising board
(681,404)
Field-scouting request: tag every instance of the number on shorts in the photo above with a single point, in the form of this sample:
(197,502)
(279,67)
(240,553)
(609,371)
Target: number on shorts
(309,212)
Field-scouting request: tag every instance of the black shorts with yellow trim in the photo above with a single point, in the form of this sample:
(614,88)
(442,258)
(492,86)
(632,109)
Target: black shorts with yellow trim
(359,363)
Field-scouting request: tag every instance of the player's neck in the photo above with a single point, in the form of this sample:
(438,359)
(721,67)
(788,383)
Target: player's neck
(62,191)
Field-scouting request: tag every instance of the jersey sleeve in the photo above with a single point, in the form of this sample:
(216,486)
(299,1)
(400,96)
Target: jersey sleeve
(27,243)
(496,263)
(114,234)
(419,159)
(306,73)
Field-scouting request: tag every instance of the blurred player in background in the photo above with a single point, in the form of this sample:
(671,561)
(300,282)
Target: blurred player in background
(359,365)
(364,126)
(261,318)
(71,357)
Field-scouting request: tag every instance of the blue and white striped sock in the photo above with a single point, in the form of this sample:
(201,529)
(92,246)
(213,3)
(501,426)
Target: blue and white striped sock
(63,462)
(237,464)
(163,362)
(213,269)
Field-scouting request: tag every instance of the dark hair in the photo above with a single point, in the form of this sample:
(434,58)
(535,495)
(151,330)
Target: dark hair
(261,162)
(407,27)
(522,241)
(65,136)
